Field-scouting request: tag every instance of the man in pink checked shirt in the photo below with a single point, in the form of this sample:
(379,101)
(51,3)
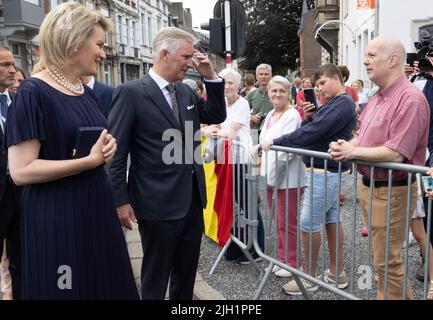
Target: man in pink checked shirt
(393,127)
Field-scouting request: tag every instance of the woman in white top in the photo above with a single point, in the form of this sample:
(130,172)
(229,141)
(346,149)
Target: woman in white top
(236,127)
(358,85)
(283,119)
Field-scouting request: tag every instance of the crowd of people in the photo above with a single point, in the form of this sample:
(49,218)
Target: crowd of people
(61,215)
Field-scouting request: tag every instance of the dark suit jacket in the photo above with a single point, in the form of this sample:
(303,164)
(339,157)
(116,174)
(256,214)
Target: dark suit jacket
(3,159)
(138,118)
(294,93)
(104,95)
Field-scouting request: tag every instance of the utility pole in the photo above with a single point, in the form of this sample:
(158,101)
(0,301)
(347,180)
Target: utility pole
(376,18)
(228,34)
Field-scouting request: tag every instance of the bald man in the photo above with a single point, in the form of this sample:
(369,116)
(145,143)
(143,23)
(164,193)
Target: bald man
(393,127)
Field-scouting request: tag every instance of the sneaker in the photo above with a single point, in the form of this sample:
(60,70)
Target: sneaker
(420,271)
(244,260)
(283,273)
(330,278)
(292,289)
(274,269)
(364,232)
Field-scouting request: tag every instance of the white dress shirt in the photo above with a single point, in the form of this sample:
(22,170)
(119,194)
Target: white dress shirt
(162,84)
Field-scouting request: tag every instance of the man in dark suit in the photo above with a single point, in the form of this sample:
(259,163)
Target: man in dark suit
(9,192)
(154,119)
(102,91)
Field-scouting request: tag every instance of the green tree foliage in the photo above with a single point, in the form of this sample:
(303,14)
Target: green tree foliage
(272,34)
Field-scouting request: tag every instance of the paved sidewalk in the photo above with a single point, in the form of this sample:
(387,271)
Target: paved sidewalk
(202,291)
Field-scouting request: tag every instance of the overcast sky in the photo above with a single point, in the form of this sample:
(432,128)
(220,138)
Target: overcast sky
(201,10)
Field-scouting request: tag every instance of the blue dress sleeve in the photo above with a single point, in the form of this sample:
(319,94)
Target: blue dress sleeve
(25,117)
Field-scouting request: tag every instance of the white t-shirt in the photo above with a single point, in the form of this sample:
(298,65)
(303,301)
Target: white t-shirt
(239,112)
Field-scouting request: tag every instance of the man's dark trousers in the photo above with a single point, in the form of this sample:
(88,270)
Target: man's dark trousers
(172,243)
(10,231)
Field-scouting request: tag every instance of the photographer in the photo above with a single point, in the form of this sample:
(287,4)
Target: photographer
(422,76)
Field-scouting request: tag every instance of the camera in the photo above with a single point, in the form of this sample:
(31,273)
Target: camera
(262,115)
(424,50)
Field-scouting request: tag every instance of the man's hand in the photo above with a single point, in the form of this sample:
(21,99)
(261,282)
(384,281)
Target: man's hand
(126,215)
(266,144)
(109,148)
(211,131)
(309,110)
(341,150)
(411,70)
(204,66)
(255,118)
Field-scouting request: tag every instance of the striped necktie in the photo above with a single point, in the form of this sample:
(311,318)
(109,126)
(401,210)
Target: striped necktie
(4,105)
(170,88)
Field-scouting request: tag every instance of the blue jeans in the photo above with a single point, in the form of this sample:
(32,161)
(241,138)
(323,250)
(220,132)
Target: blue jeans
(312,218)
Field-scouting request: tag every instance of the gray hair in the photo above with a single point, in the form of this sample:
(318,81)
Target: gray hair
(170,38)
(280,80)
(264,66)
(305,80)
(190,83)
(233,73)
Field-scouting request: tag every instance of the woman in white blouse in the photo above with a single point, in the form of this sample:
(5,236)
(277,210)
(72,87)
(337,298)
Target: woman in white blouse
(283,119)
(236,127)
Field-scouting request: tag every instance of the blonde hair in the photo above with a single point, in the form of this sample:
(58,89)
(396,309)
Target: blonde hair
(170,38)
(63,31)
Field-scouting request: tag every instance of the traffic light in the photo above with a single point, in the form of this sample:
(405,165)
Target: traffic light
(216,27)
(216,34)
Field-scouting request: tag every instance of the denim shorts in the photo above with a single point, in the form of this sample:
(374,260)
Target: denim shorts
(312,218)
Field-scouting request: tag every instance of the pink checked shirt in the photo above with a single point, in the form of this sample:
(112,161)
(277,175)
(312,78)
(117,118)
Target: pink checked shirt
(398,118)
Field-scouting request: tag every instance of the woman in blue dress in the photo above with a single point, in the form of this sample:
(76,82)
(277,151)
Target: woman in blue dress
(73,245)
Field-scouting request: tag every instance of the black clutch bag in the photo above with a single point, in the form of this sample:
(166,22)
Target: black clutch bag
(85,138)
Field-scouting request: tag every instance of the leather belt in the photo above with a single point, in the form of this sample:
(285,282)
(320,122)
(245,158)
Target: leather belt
(382,183)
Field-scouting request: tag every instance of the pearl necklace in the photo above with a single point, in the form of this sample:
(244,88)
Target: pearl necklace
(58,77)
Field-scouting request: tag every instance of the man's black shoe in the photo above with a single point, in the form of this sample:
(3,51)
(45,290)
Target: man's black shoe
(244,260)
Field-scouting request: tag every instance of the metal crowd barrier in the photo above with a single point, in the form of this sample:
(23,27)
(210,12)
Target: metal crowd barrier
(357,260)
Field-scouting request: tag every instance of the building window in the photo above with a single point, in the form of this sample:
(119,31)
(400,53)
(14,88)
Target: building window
(128,32)
(119,28)
(54,3)
(105,12)
(107,73)
(15,49)
(149,30)
(125,35)
(143,29)
(35,2)
(133,34)
(158,23)
(158,4)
